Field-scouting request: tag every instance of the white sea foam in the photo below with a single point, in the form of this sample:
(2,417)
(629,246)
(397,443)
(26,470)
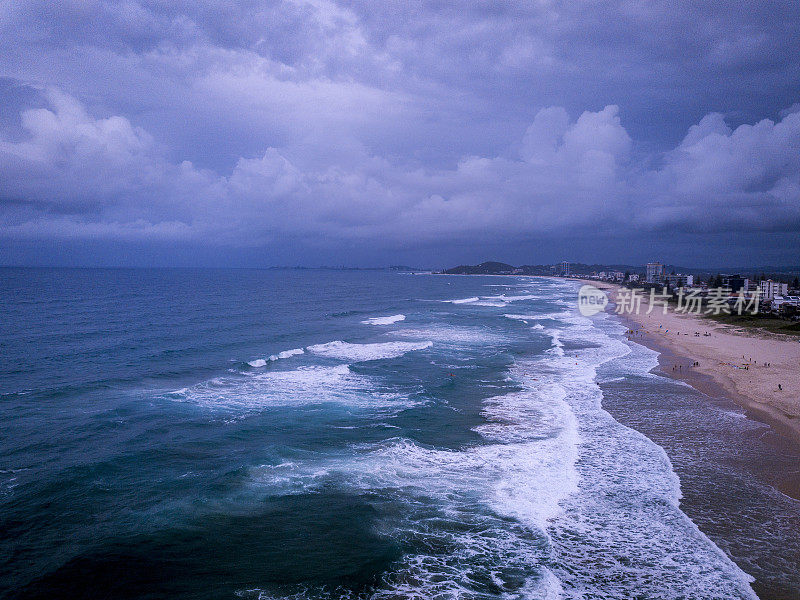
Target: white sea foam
(261,362)
(463,300)
(541,316)
(558,346)
(628,500)
(452,336)
(498,301)
(445,494)
(287,354)
(384,320)
(308,385)
(364,352)
(506,298)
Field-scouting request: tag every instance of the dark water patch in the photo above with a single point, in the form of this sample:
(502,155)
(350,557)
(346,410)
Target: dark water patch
(571,346)
(312,540)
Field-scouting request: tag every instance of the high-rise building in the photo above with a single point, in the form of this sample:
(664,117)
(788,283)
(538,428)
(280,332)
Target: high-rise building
(655,272)
(768,289)
(564,269)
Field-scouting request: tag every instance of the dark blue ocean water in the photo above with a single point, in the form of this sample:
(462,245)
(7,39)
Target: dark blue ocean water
(335,434)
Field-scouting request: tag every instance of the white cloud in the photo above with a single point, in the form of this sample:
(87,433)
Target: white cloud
(77,176)
(712,159)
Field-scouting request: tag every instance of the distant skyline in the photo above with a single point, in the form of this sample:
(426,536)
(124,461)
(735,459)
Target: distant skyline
(375,133)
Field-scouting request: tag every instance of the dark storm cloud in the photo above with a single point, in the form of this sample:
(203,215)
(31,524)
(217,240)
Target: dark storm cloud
(326,125)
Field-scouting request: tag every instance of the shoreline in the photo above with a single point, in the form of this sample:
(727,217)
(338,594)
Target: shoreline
(720,371)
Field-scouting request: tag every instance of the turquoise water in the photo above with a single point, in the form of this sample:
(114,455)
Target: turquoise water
(319,434)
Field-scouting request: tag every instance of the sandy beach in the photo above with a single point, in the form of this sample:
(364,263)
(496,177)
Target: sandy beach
(748,365)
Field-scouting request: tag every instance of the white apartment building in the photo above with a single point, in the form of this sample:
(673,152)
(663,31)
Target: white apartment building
(768,289)
(678,281)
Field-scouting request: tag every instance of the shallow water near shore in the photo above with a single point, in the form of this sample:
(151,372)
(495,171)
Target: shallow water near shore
(318,434)
(730,467)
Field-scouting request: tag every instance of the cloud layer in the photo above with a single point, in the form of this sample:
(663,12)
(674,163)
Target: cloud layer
(325,126)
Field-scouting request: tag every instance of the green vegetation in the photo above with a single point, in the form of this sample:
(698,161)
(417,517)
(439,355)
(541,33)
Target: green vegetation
(759,321)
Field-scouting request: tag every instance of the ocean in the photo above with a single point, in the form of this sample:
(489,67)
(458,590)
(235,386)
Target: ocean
(265,434)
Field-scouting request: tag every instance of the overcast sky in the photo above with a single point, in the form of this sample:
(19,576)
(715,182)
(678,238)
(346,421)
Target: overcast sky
(372,133)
